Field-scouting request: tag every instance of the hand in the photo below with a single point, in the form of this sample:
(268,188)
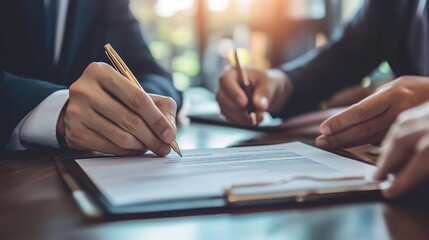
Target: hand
(405,151)
(108,113)
(271,90)
(369,120)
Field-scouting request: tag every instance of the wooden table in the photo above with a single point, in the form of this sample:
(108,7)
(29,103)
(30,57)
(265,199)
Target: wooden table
(35,204)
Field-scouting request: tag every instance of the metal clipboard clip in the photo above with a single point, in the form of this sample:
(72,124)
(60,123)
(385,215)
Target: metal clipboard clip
(248,192)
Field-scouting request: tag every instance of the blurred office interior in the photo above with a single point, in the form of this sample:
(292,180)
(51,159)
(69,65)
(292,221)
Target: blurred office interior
(192,38)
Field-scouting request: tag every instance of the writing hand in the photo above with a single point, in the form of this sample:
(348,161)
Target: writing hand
(108,113)
(270,91)
(369,120)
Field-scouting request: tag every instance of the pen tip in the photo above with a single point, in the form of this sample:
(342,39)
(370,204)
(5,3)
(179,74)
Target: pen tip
(176,148)
(253,118)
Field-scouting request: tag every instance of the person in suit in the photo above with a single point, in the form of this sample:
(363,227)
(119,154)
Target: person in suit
(395,31)
(405,152)
(56,91)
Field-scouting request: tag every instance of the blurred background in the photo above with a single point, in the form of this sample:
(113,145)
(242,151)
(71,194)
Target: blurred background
(192,38)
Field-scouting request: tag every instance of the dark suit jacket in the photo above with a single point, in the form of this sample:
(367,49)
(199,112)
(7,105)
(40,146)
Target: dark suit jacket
(379,32)
(27,75)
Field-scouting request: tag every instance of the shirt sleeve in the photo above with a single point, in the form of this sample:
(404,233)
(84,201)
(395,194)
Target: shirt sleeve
(38,128)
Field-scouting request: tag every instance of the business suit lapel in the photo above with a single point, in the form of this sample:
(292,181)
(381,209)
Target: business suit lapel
(82,14)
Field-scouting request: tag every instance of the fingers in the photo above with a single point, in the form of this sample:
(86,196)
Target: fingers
(167,106)
(396,151)
(414,173)
(233,112)
(134,98)
(259,116)
(132,123)
(263,94)
(358,113)
(233,100)
(374,139)
(230,86)
(107,103)
(355,134)
(90,131)
(405,150)
(357,123)
(113,133)
(78,136)
(393,161)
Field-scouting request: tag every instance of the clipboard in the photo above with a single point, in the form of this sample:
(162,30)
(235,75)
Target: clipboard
(205,109)
(96,207)
(270,124)
(236,198)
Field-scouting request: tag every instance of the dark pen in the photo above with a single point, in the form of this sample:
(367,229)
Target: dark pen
(245,84)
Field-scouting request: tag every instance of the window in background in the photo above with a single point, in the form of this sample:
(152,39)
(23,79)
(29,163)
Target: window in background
(306,9)
(273,31)
(240,23)
(168,27)
(349,9)
(192,38)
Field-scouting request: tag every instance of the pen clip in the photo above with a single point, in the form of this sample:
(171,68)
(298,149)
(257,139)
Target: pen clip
(113,62)
(120,65)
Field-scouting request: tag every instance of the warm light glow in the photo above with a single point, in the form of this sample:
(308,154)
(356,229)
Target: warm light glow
(321,40)
(306,9)
(243,55)
(168,8)
(218,5)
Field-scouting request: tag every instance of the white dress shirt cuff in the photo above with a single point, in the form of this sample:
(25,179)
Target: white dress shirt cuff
(39,127)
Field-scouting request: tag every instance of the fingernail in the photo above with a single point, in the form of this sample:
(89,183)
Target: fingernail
(264,102)
(325,130)
(168,135)
(322,142)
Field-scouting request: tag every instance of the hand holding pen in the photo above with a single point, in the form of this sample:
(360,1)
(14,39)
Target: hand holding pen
(106,112)
(122,68)
(266,91)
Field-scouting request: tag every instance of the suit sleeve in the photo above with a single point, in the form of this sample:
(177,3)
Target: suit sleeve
(353,54)
(19,96)
(123,32)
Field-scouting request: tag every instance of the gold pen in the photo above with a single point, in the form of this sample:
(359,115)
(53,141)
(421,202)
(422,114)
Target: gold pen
(122,68)
(245,83)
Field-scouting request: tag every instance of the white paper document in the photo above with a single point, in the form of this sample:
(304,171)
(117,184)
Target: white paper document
(208,172)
